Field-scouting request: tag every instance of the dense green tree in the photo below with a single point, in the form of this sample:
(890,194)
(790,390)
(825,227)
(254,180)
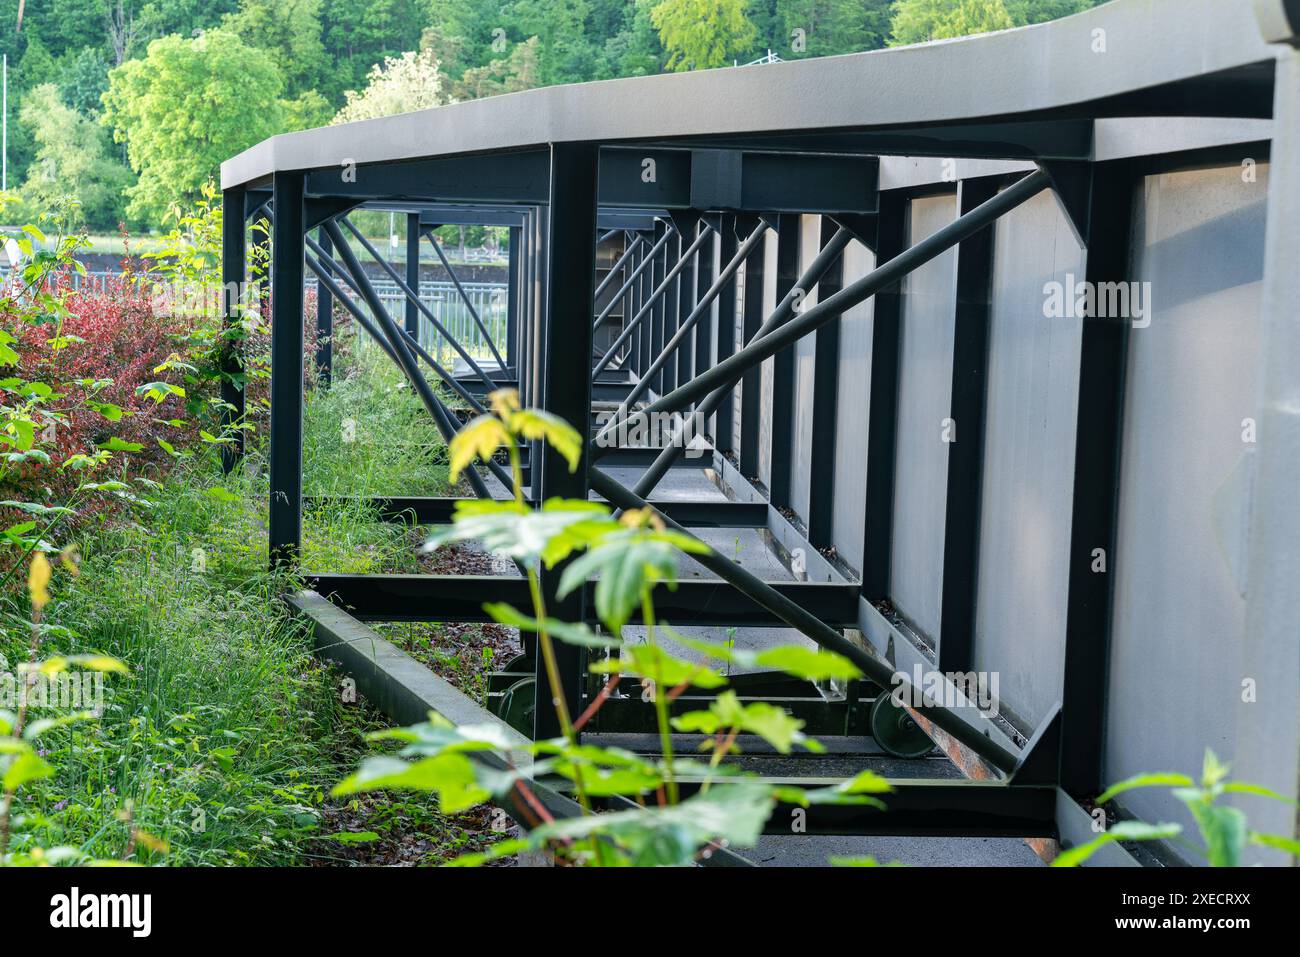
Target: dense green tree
(83,78)
(564,53)
(359,33)
(1039,11)
(73,160)
(291,31)
(465,34)
(918,21)
(634,49)
(509,74)
(702,34)
(808,28)
(185,107)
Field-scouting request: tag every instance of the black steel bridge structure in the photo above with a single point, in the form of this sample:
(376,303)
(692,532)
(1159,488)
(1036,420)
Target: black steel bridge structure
(639,214)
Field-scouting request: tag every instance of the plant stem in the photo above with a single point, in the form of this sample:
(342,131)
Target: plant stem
(660,699)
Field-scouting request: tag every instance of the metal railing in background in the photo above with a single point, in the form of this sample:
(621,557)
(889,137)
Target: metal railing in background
(488,298)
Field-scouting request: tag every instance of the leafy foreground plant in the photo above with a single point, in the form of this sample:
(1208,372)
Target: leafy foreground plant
(1224,829)
(632,556)
(21,762)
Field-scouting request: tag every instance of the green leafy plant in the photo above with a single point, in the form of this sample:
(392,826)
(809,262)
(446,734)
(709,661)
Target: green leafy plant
(630,557)
(1224,830)
(21,763)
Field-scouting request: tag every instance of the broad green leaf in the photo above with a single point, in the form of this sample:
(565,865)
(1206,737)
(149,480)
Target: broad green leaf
(450,775)
(108,410)
(1241,787)
(570,634)
(25,768)
(118,445)
(353,837)
(535,424)
(1152,780)
(1224,830)
(480,437)
(653,662)
(814,664)
(727,711)
(672,836)
(35,508)
(1121,831)
(158,391)
(1277,842)
(629,563)
(513,530)
(36,728)
(438,736)
(865,861)
(494,853)
(221,494)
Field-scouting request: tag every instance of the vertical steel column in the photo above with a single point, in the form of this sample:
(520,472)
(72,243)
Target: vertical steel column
(685,304)
(970,354)
(783,367)
(512,298)
(722,432)
(570,287)
(672,306)
(540,319)
(413,272)
(324,321)
(632,359)
(825,411)
(1103,360)
(524,361)
(882,417)
(644,289)
(658,269)
(751,383)
(287,265)
(702,346)
(234,281)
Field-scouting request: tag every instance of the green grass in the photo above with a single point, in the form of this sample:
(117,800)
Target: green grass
(225,738)
(368,434)
(222,739)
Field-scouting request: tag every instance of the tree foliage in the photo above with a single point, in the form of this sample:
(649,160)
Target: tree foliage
(703,34)
(185,107)
(918,21)
(72,161)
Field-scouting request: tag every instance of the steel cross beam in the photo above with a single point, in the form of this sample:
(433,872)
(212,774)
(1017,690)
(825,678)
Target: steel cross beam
(328,283)
(725,277)
(640,268)
(727,372)
(326,262)
(412,296)
(780,315)
(618,263)
(478,321)
(441,417)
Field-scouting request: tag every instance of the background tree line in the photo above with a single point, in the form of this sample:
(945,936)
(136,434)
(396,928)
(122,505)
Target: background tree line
(130,105)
